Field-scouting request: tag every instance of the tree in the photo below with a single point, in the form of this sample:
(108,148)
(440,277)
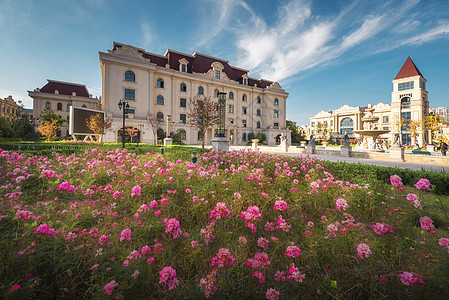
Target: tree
(132,132)
(203,114)
(48,129)
(297,136)
(48,114)
(23,127)
(432,123)
(261,137)
(155,126)
(414,127)
(98,125)
(6,130)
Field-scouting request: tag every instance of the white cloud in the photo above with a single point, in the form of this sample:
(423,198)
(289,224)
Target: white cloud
(432,34)
(146,35)
(369,28)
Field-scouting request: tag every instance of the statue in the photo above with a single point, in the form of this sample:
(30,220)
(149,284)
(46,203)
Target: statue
(396,140)
(311,143)
(346,142)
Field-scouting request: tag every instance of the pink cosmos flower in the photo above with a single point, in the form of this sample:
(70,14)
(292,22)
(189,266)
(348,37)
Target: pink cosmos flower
(172,226)
(283,225)
(168,276)
(396,181)
(136,191)
(15,288)
(341,204)
(263,243)
(251,214)
(125,235)
(280,205)
(259,275)
(380,228)
(363,250)
(260,261)
(295,274)
(415,200)
(444,242)
(188,191)
(423,184)
(208,284)
(292,251)
(427,224)
(220,211)
(272,294)
(243,240)
(408,278)
(223,258)
(109,287)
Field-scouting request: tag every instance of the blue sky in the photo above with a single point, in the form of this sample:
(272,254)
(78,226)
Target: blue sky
(325,53)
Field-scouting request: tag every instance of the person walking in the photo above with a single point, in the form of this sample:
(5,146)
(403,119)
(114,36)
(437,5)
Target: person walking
(443,148)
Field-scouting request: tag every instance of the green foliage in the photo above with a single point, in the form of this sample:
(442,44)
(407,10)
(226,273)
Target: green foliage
(6,130)
(297,136)
(160,134)
(48,114)
(251,136)
(177,138)
(368,173)
(261,137)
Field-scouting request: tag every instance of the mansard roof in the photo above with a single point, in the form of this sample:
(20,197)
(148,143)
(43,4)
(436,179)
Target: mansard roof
(198,63)
(408,70)
(65,88)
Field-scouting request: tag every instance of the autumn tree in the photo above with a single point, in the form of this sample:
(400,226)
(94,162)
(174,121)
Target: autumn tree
(414,127)
(202,114)
(98,125)
(48,129)
(432,123)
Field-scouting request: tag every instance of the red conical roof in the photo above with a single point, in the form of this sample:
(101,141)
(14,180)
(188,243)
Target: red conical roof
(408,70)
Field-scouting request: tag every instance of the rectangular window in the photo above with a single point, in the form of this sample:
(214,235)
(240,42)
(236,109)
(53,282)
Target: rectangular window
(244,123)
(131,111)
(385,119)
(231,109)
(245,81)
(130,94)
(243,110)
(183,118)
(182,102)
(183,68)
(422,85)
(217,74)
(386,128)
(276,113)
(406,86)
(276,124)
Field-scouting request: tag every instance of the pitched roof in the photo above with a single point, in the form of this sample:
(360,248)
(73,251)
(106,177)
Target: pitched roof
(198,63)
(408,70)
(65,88)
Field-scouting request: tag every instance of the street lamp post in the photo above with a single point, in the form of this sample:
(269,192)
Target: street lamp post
(221,114)
(125,106)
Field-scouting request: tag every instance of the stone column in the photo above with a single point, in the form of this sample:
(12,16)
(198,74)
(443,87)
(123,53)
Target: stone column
(255,144)
(168,141)
(396,150)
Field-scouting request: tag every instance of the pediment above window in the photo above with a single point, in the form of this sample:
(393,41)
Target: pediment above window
(129,51)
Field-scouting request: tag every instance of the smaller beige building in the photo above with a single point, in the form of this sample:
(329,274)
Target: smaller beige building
(9,109)
(59,96)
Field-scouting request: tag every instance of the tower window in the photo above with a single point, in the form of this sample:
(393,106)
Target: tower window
(409,85)
(276,101)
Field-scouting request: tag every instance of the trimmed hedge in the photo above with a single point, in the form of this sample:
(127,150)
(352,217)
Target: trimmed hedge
(366,173)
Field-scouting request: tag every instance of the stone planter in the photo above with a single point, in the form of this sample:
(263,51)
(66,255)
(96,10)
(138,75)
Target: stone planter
(303,143)
(430,148)
(325,144)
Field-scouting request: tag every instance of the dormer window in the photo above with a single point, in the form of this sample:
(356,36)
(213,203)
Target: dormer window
(217,74)
(183,65)
(245,81)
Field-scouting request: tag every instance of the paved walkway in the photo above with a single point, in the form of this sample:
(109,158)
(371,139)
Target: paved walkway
(368,161)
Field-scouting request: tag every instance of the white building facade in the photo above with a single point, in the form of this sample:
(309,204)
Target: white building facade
(409,101)
(156,86)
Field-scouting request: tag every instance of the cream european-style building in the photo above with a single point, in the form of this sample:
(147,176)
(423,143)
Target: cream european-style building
(409,101)
(156,86)
(59,96)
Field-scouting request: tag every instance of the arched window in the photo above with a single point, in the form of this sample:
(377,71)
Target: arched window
(130,76)
(160,100)
(231,95)
(244,98)
(68,106)
(132,134)
(346,125)
(258,112)
(216,92)
(258,124)
(160,116)
(59,106)
(84,106)
(47,104)
(405,102)
(244,137)
(276,101)
(183,87)
(258,100)
(200,90)
(160,83)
